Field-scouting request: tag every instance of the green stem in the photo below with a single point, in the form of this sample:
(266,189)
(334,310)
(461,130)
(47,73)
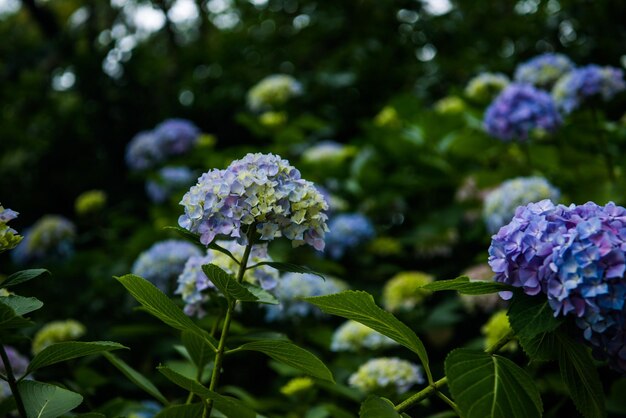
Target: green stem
(12,382)
(219,355)
(450,402)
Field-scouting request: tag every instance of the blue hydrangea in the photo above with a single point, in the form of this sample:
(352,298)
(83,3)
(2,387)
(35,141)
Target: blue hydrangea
(385,375)
(347,231)
(519,111)
(543,70)
(168,181)
(585,83)
(501,203)
(164,261)
(51,237)
(194,286)
(354,336)
(176,136)
(575,255)
(485,86)
(9,237)
(292,287)
(274,90)
(144,151)
(260,190)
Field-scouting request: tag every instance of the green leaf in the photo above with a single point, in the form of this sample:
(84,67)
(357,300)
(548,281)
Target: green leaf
(193,410)
(262,296)
(581,377)
(159,305)
(42,400)
(21,305)
(136,377)
(228,284)
(198,349)
(9,318)
(23,276)
(59,352)
(465,286)
(486,385)
(530,316)
(288,353)
(360,306)
(288,268)
(231,407)
(542,347)
(375,407)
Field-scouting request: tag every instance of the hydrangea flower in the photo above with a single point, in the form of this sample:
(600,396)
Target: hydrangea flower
(520,110)
(164,261)
(168,181)
(327,152)
(500,204)
(347,231)
(496,328)
(587,82)
(194,285)
(485,86)
(575,255)
(273,91)
(56,332)
(354,336)
(543,70)
(484,303)
(386,374)
(451,105)
(388,117)
(297,385)
(292,287)
(144,151)
(19,365)
(52,236)
(404,291)
(273,119)
(176,136)
(90,202)
(259,190)
(9,237)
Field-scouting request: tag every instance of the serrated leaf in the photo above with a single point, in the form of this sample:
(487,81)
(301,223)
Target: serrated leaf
(231,407)
(193,410)
(159,305)
(465,286)
(42,400)
(289,268)
(136,377)
(360,306)
(581,377)
(198,349)
(288,353)
(63,351)
(227,284)
(21,305)
(263,296)
(542,347)
(486,385)
(530,316)
(23,276)
(375,407)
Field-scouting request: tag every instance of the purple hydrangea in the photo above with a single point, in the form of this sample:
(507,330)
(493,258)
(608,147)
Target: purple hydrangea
(576,256)
(587,82)
(518,111)
(51,237)
(347,231)
(144,151)
(176,136)
(168,181)
(543,70)
(260,190)
(164,261)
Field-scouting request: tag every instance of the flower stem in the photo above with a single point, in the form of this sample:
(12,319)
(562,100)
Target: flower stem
(12,382)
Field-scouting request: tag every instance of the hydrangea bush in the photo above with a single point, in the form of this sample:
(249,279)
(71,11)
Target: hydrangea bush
(51,237)
(586,83)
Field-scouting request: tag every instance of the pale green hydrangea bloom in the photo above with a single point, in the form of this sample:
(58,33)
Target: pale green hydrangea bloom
(385,375)
(451,105)
(328,152)
(387,118)
(404,290)
(485,87)
(297,385)
(273,91)
(56,332)
(90,202)
(354,336)
(496,328)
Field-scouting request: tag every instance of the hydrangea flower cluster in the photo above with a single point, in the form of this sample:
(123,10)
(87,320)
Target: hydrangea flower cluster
(90,202)
(164,261)
(404,291)
(274,90)
(495,329)
(57,332)
(500,204)
(386,374)
(9,237)
(587,82)
(484,303)
(450,105)
(168,181)
(170,138)
(519,111)
(347,231)
(543,70)
(297,385)
(576,255)
(260,190)
(388,117)
(354,336)
(485,86)
(327,152)
(52,236)
(292,287)
(19,365)
(194,285)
